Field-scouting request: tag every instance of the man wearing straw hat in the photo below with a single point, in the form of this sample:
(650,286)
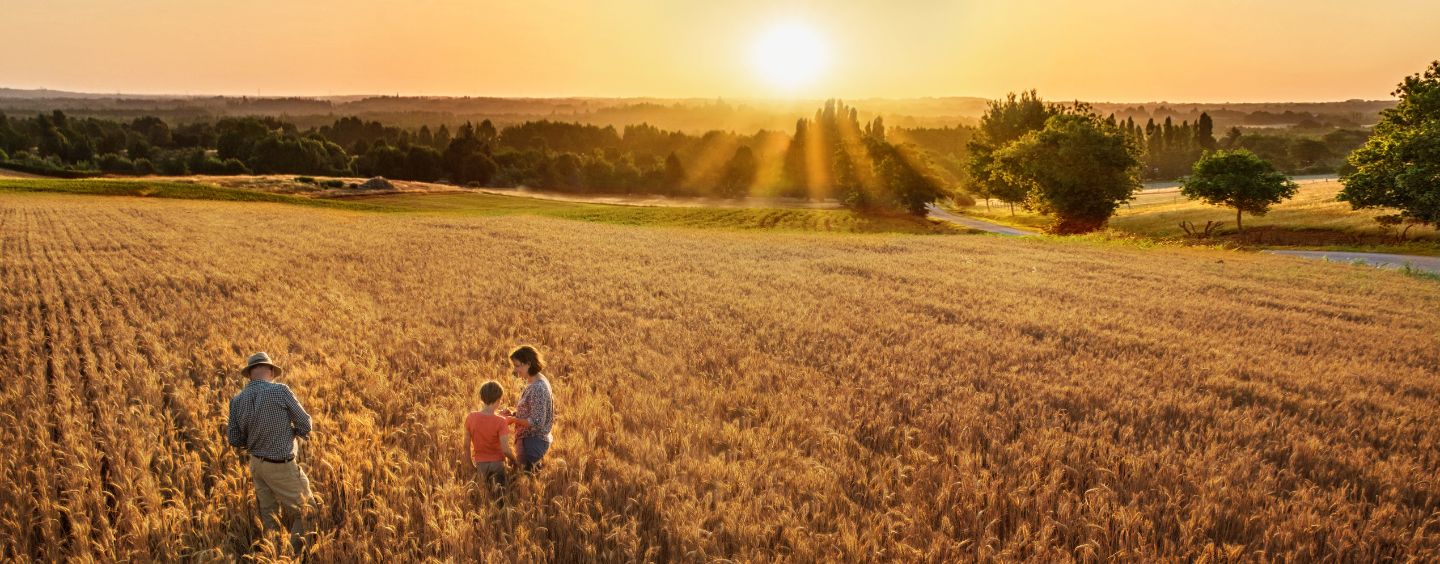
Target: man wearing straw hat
(265,420)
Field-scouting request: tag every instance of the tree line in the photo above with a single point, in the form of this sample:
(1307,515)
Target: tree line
(830,156)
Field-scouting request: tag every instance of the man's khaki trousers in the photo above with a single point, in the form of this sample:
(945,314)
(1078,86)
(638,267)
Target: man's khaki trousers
(281,486)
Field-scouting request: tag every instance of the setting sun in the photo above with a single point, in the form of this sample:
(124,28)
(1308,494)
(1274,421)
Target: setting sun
(789,56)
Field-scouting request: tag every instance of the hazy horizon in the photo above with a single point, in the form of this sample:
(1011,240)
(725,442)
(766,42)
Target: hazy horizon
(1113,51)
(726,99)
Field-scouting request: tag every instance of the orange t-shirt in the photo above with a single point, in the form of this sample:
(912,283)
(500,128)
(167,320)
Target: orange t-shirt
(485,432)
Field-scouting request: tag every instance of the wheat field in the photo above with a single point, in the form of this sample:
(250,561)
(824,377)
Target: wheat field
(720,394)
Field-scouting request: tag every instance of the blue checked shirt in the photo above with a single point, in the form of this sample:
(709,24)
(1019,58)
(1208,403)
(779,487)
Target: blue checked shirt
(265,418)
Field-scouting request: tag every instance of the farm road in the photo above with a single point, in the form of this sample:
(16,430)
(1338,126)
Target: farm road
(1380,260)
(973,223)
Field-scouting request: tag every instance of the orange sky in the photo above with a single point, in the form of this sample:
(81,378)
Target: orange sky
(1098,50)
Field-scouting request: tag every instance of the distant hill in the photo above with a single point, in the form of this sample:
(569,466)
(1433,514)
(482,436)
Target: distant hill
(47,94)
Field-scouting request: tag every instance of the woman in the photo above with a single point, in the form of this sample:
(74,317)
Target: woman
(536,411)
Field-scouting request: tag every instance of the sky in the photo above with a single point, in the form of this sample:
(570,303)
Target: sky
(1095,50)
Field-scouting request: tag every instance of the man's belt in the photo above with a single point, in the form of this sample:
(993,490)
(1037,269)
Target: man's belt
(274,460)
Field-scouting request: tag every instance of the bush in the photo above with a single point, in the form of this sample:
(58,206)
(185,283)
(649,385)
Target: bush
(961,199)
(174,166)
(117,164)
(233,167)
(287,154)
(24,161)
(144,166)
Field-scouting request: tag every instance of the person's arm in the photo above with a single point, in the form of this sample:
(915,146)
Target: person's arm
(233,431)
(508,449)
(469,442)
(299,419)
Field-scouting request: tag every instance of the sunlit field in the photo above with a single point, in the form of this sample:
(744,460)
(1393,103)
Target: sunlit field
(721,394)
(474,203)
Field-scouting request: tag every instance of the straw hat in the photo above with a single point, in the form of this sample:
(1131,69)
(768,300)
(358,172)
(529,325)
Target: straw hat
(259,359)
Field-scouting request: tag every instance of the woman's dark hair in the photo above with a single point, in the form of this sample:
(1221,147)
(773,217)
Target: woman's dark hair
(491,392)
(528,355)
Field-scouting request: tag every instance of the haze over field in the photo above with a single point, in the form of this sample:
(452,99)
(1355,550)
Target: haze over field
(1117,50)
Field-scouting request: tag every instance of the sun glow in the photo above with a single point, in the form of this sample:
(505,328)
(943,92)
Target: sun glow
(789,56)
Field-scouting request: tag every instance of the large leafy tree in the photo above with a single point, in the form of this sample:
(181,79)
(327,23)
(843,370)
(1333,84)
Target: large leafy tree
(1078,169)
(1399,166)
(1004,122)
(467,160)
(1237,179)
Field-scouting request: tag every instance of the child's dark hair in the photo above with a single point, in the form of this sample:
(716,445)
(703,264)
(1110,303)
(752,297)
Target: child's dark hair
(491,392)
(528,355)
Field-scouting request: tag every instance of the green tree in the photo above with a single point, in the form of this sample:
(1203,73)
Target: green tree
(80,149)
(382,160)
(144,166)
(1205,132)
(1077,169)
(236,137)
(1004,122)
(674,175)
(1309,153)
(599,174)
(466,161)
(155,130)
(797,172)
(908,180)
(280,153)
(138,148)
(486,132)
(848,186)
(1237,179)
(423,163)
(566,172)
(53,142)
(738,174)
(1232,138)
(1399,165)
(442,137)
(111,162)
(11,140)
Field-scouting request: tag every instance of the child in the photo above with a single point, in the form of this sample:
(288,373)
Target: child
(487,436)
